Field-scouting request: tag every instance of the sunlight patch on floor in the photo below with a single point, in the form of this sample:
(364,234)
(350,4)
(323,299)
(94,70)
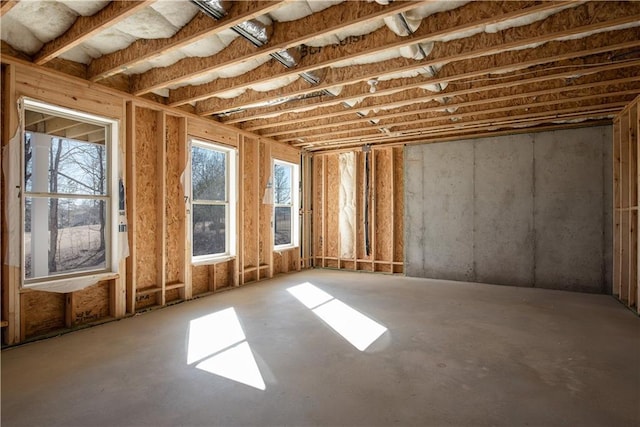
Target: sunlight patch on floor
(355,327)
(218,342)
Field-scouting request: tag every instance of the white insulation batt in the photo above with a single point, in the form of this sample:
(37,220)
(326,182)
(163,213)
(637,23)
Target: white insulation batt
(32,23)
(347,204)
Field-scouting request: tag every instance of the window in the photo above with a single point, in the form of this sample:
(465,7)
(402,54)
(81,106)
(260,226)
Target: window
(285,202)
(70,191)
(213,195)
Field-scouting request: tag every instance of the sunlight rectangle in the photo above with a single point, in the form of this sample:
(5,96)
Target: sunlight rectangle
(237,364)
(309,295)
(212,333)
(218,343)
(354,326)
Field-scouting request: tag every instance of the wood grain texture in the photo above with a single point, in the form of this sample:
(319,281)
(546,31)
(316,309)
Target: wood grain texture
(86,26)
(562,24)
(285,35)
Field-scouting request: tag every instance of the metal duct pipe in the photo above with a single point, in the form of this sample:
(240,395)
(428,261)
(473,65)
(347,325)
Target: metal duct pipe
(254,31)
(216,9)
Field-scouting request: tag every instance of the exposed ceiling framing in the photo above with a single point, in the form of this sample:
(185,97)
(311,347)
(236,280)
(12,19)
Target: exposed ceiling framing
(374,72)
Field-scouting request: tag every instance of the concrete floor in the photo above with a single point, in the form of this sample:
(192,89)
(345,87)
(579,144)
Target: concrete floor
(454,354)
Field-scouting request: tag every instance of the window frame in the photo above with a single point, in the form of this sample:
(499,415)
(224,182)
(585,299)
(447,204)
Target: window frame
(294,206)
(111,192)
(231,191)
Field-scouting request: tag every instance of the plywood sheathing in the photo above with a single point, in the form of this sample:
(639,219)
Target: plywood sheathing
(161,202)
(200,280)
(265,213)
(184,244)
(174,209)
(220,276)
(332,237)
(41,313)
(626,262)
(397,216)
(360,214)
(317,217)
(90,304)
(146,204)
(30,314)
(250,229)
(286,261)
(383,189)
(141,131)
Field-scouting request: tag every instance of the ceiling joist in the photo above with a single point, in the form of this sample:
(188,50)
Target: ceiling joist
(468,18)
(317,119)
(563,112)
(86,26)
(201,26)
(323,76)
(476,109)
(554,83)
(555,27)
(574,53)
(542,126)
(285,35)
(6,5)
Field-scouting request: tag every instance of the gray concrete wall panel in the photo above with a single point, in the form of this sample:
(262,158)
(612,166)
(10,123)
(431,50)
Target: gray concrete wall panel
(523,210)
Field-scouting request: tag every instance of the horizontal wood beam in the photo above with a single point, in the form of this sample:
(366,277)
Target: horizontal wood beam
(57,124)
(456,136)
(83,129)
(504,107)
(555,27)
(471,17)
(323,115)
(199,27)
(6,6)
(495,118)
(554,83)
(285,35)
(81,84)
(33,118)
(86,26)
(579,110)
(502,64)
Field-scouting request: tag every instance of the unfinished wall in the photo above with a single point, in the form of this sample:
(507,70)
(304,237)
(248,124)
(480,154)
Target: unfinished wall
(626,259)
(523,210)
(377,212)
(154,150)
(28,313)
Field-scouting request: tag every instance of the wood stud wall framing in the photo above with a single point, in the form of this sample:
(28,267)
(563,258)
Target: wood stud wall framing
(154,149)
(386,205)
(626,152)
